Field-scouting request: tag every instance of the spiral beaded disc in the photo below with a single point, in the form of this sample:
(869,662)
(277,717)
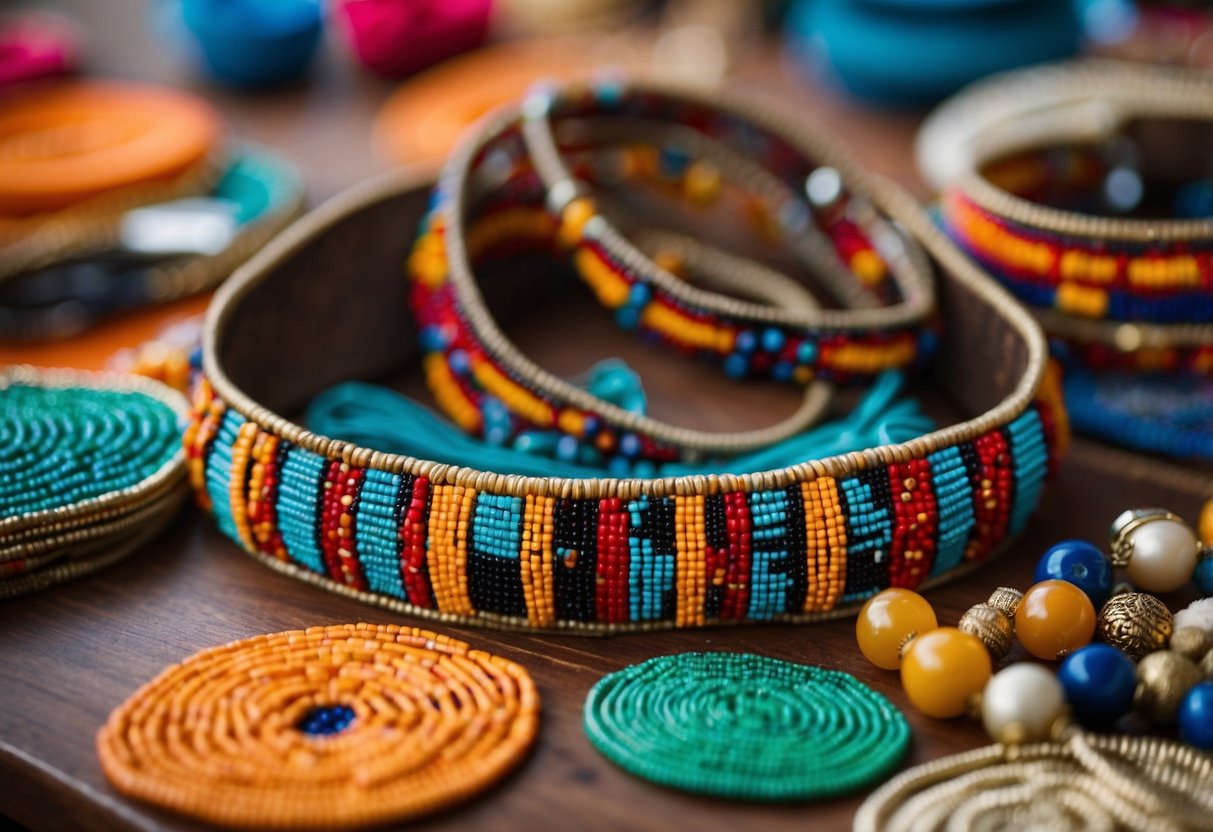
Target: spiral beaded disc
(745,726)
(332,727)
(68,439)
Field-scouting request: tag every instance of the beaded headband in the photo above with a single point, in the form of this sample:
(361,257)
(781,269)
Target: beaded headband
(595,555)
(982,148)
(845,206)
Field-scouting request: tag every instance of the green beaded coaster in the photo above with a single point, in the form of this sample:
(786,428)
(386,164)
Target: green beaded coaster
(745,726)
(90,464)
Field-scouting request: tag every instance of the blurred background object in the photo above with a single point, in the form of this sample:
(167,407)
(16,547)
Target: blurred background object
(903,52)
(37,45)
(253,43)
(396,38)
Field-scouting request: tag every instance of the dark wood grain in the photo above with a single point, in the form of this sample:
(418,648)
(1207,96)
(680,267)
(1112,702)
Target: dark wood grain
(71,655)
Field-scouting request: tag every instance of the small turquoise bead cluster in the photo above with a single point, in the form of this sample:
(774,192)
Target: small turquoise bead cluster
(61,446)
(745,726)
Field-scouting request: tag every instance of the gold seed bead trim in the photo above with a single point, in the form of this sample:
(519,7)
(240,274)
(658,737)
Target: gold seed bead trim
(217,736)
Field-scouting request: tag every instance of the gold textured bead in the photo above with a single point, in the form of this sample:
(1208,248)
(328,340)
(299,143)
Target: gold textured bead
(1135,622)
(1006,600)
(1190,642)
(991,626)
(1163,678)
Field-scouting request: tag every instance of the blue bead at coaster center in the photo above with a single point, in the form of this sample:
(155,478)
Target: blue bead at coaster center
(326,720)
(1080,563)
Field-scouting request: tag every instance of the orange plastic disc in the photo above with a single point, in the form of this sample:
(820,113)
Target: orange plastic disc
(422,120)
(66,143)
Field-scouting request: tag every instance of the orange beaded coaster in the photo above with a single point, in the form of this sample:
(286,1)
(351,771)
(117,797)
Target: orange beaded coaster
(331,727)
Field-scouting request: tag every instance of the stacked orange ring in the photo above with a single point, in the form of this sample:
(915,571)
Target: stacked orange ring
(75,155)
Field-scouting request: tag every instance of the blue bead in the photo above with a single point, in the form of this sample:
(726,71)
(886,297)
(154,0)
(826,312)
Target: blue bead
(326,719)
(1099,681)
(806,353)
(566,448)
(773,340)
(782,371)
(1082,564)
(639,294)
(433,339)
(747,341)
(459,361)
(628,317)
(1202,576)
(629,444)
(1196,716)
(673,161)
(736,366)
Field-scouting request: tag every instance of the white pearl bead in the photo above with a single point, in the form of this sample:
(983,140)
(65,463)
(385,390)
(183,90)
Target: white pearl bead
(1164,556)
(1021,703)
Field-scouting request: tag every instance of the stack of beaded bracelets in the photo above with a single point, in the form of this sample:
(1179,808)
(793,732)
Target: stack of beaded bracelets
(470,358)
(90,468)
(594,555)
(1048,179)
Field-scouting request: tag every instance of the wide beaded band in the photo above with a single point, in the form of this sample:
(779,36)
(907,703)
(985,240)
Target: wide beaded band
(1021,158)
(591,556)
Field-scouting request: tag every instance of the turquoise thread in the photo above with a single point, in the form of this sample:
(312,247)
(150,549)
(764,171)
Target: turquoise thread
(376,417)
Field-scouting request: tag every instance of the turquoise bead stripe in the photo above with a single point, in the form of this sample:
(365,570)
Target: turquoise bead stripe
(1031,455)
(869,536)
(650,566)
(219,472)
(954,498)
(769,533)
(299,507)
(497,526)
(377,525)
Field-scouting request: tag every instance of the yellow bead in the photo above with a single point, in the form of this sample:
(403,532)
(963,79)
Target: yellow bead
(573,219)
(1053,619)
(943,670)
(887,620)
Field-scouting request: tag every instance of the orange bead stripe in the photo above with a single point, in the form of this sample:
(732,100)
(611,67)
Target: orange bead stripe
(537,560)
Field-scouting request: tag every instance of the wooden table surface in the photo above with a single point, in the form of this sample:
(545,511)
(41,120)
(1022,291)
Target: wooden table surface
(72,654)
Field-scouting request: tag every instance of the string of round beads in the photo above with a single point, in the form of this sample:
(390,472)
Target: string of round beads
(332,727)
(745,726)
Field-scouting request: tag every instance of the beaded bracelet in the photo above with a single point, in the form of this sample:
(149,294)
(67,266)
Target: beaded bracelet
(844,203)
(471,366)
(96,273)
(1041,184)
(601,555)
